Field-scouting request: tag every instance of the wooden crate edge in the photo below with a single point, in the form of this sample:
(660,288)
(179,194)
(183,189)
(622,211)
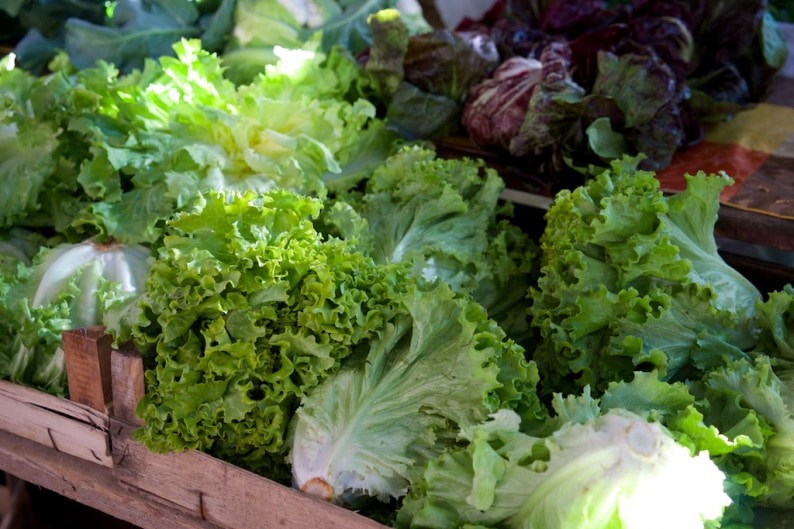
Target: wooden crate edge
(221,493)
(55,422)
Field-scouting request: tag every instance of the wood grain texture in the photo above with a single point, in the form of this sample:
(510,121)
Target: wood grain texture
(126,368)
(87,357)
(89,484)
(221,493)
(64,426)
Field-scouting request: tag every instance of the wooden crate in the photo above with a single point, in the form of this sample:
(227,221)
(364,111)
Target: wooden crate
(62,425)
(49,441)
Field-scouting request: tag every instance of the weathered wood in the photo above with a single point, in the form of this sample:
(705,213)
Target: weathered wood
(126,367)
(221,493)
(91,485)
(87,357)
(60,424)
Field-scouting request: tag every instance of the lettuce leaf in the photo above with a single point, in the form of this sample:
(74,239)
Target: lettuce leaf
(368,429)
(631,279)
(246,309)
(445,218)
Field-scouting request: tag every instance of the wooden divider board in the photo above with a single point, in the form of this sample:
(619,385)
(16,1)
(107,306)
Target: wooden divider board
(90,485)
(221,493)
(45,438)
(68,427)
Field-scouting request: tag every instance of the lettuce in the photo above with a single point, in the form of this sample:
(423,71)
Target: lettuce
(111,156)
(368,429)
(247,308)
(68,286)
(444,218)
(631,279)
(616,470)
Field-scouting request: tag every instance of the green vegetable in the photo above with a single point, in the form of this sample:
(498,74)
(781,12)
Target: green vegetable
(261,25)
(444,218)
(615,470)
(246,309)
(124,33)
(112,156)
(368,429)
(631,279)
(18,246)
(748,397)
(776,320)
(66,287)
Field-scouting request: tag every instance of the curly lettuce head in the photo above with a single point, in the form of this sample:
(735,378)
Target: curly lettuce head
(631,279)
(367,431)
(444,217)
(248,308)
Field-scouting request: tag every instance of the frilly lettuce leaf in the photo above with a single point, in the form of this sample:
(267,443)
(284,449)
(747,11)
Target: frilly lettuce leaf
(445,218)
(368,429)
(613,470)
(247,309)
(776,320)
(749,396)
(631,279)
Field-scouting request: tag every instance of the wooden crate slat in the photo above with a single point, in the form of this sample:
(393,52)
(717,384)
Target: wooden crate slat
(63,425)
(221,493)
(87,357)
(91,485)
(126,367)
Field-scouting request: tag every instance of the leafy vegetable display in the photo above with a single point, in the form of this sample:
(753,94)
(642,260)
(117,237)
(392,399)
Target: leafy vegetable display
(631,278)
(633,78)
(327,302)
(69,286)
(446,219)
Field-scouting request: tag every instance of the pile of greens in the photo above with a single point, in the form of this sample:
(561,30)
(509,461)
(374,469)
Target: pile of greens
(327,304)
(594,80)
(93,162)
(245,32)
(98,153)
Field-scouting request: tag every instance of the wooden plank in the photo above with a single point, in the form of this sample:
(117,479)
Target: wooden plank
(90,485)
(126,367)
(221,493)
(755,228)
(62,425)
(87,357)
